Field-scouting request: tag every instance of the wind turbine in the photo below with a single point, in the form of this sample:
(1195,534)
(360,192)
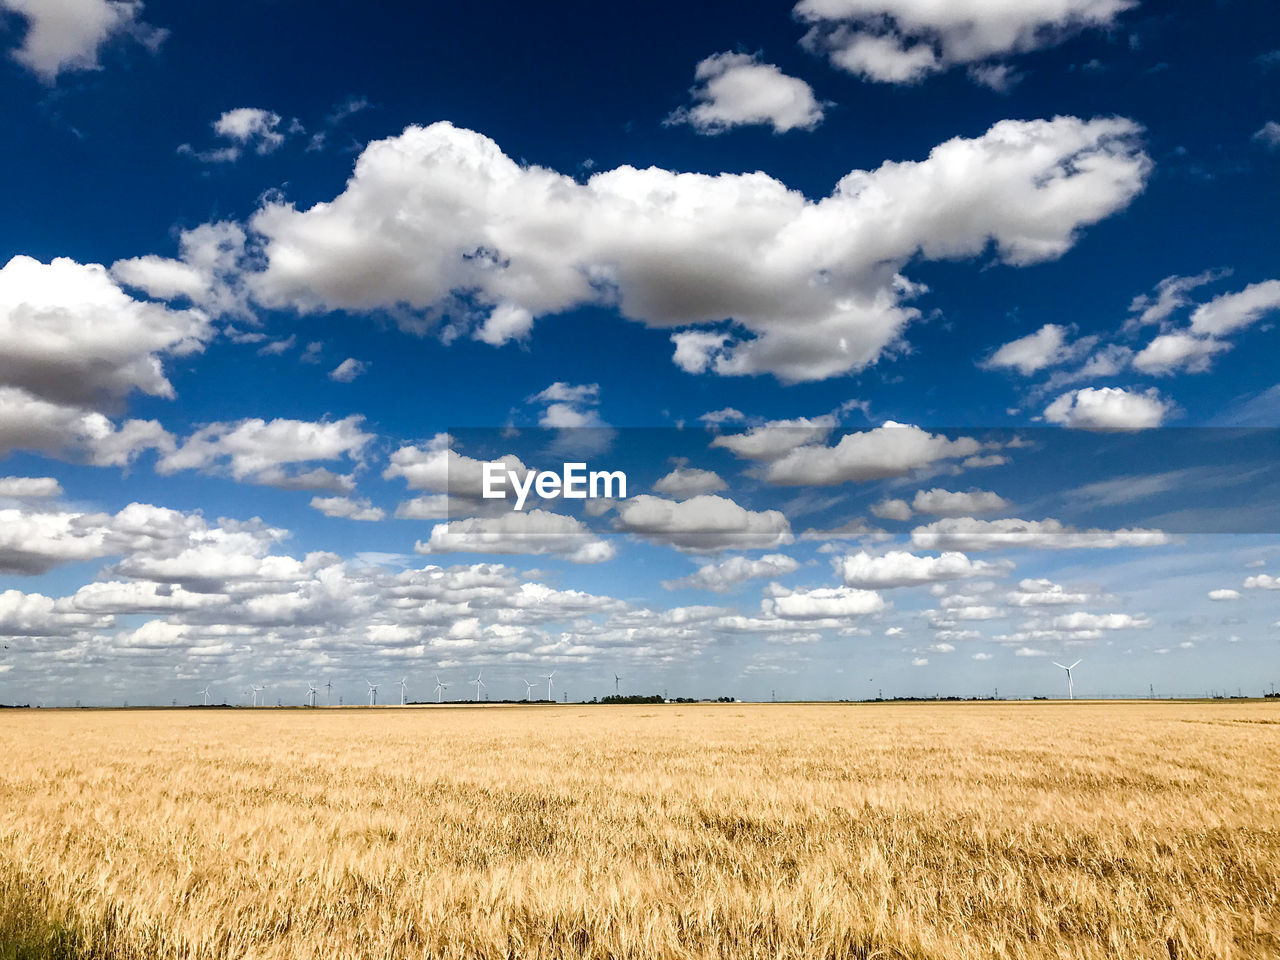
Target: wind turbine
(256,691)
(311,695)
(548,679)
(479,683)
(616,680)
(404,685)
(373,693)
(205,694)
(441,687)
(528,689)
(1071,694)
(328,693)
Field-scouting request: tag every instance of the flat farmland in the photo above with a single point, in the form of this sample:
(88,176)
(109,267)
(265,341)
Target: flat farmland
(949,831)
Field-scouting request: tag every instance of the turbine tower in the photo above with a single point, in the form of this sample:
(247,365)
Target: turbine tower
(616,680)
(257,690)
(328,693)
(1071,693)
(548,679)
(479,683)
(311,695)
(205,694)
(441,687)
(373,693)
(404,686)
(528,689)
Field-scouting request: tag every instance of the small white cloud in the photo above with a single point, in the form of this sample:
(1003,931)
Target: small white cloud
(1109,408)
(737,89)
(1224,594)
(66,35)
(1269,135)
(347,508)
(348,370)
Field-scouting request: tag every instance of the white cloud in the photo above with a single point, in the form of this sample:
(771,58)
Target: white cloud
(347,508)
(1044,593)
(892,450)
(776,438)
(899,568)
(969,534)
(684,482)
(567,406)
(1224,595)
(1044,348)
(29,423)
(1262,581)
(822,603)
(1169,351)
(724,575)
(813,288)
(904,41)
(1081,621)
(892,510)
(527,532)
(258,451)
(737,89)
(72,336)
(703,523)
(29,488)
(348,370)
(1268,135)
(245,128)
(1231,312)
(948,503)
(206,273)
(1171,294)
(66,35)
(454,481)
(1109,408)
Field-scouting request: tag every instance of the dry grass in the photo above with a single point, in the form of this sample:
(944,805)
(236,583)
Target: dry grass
(941,831)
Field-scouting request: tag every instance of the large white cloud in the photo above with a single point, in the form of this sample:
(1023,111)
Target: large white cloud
(822,603)
(66,35)
(904,41)
(704,523)
(739,89)
(814,288)
(1109,408)
(70,335)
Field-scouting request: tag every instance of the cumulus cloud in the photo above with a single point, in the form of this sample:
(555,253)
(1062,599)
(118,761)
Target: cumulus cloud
(1262,581)
(1224,595)
(1039,592)
(704,523)
(29,423)
(949,503)
(244,128)
(347,508)
(822,603)
(453,481)
(812,289)
(29,488)
(1232,312)
(1045,348)
(893,509)
(684,482)
(738,89)
(891,450)
(1109,408)
(724,575)
(207,273)
(905,41)
(527,532)
(66,35)
(71,336)
(1170,351)
(898,568)
(261,451)
(970,534)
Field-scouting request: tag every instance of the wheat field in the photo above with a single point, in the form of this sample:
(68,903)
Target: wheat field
(947,831)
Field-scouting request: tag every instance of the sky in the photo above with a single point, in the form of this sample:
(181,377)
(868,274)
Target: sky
(936,343)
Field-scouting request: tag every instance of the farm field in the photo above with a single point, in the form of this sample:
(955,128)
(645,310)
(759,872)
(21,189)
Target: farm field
(949,831)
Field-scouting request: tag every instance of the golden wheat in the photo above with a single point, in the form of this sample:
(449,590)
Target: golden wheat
(924,831)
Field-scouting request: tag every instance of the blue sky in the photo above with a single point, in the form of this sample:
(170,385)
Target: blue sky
(915,331)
